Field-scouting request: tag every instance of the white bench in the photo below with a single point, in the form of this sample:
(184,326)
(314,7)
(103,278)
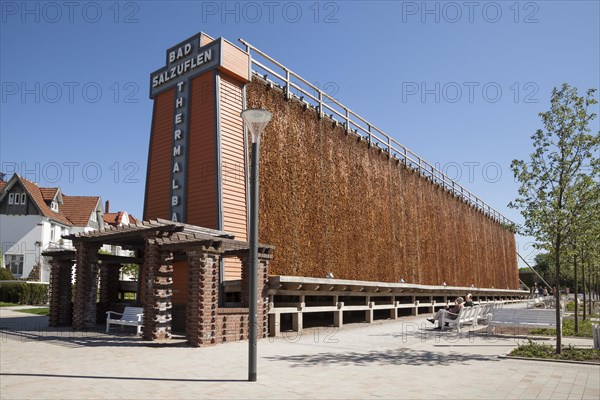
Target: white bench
(523,318)
(131,316)
(467,315)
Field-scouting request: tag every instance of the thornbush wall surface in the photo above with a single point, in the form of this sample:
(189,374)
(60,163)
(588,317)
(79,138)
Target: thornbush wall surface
(328,202)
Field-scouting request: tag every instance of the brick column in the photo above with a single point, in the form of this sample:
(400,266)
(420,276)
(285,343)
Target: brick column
(262,306)
(109,288)
(61,307)
(86,285)
(203,298)
(158,292)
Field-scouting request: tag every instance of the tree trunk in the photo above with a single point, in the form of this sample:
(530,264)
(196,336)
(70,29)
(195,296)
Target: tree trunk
(583,285)
(557,295)
(576,290)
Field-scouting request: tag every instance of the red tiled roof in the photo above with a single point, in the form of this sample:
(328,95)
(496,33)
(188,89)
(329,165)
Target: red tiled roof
(48,193)
(113,218)
(2,184)
(116,218)
(78,209)
(36,194)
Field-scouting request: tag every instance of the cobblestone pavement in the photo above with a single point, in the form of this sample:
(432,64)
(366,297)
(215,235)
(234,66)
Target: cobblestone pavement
(402,359)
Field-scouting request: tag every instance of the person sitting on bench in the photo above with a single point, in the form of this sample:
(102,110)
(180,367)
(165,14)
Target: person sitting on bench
(469,301)
(452,313)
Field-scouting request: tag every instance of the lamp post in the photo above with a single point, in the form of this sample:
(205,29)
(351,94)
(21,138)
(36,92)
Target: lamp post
(256,120)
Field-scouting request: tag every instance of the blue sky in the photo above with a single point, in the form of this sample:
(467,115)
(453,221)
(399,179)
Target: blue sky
(460,83)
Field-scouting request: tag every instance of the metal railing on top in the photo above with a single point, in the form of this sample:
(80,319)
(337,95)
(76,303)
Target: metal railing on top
(294,85)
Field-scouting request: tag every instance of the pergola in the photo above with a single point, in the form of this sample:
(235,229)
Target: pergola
(157,243)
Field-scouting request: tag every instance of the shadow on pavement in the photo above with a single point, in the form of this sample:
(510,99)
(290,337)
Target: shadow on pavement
(402,356)
(129,378)
(32,328)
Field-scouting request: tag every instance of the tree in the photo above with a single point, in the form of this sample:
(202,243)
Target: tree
(553,189)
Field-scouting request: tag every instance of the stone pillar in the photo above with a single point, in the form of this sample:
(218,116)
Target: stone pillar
(86,285)
(275,324)
(394,311)
(338,316)
(61,307)
(262,309)
(109,288)
(158,292)
(369,312)
(203,299)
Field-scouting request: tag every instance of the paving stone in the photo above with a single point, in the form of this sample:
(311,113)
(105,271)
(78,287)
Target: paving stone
(366,361)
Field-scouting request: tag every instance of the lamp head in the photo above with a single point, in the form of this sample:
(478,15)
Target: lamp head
(256,120)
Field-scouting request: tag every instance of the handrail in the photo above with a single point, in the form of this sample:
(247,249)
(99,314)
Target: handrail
(351,121)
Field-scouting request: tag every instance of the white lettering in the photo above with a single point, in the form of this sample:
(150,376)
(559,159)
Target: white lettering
(183,67)
(174,200)
(179,102)
(179,118)
(176,167)
(174,218)
(180,86)
(174,185)
(178,134)
(177,150)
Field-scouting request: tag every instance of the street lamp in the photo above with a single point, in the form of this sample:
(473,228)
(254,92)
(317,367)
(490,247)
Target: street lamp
(256,120)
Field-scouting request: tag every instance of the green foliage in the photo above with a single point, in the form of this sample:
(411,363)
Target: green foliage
(559,188)
(24,293)
(130,269)
(6,275)
(44,311)
(5,304)
(568,329)
(538,350)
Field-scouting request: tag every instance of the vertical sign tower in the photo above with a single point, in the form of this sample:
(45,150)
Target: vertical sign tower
(198,151)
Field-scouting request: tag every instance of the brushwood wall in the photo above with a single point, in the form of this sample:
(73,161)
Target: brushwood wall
(328,202)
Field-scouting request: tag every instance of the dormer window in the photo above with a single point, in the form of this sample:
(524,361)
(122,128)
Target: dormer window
(17,198)
(54,206)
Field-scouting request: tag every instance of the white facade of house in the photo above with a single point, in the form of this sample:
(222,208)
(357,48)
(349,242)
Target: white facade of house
(24,237)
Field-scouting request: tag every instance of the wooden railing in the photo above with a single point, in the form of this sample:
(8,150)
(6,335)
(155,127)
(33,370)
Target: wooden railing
(294,85)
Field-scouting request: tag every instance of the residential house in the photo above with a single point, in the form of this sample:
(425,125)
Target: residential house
(34,218)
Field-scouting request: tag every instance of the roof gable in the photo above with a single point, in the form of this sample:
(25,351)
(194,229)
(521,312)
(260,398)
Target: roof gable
(34,193)
(79,209)
(51,194)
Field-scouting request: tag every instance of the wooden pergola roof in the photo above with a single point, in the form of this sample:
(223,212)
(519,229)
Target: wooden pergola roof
(168,235)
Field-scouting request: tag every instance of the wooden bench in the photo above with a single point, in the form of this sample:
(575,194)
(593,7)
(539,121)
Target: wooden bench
(522,318)
(467,315)
(131,316)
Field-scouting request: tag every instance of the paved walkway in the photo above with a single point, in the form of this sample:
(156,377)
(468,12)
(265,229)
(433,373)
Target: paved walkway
(402,359)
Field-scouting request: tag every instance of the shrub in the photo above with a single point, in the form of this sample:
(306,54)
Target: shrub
(536,350)
(24,293)
(585,329)
(6,275)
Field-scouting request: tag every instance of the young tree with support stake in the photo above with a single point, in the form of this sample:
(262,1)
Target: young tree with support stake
(553,191)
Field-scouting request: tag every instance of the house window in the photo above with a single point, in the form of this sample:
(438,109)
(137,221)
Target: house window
(15,263)
(54,206)
(23,198)
(52,232)
(11,198)
(94,216)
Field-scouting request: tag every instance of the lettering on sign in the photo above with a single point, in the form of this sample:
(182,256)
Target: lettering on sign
(184,62)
